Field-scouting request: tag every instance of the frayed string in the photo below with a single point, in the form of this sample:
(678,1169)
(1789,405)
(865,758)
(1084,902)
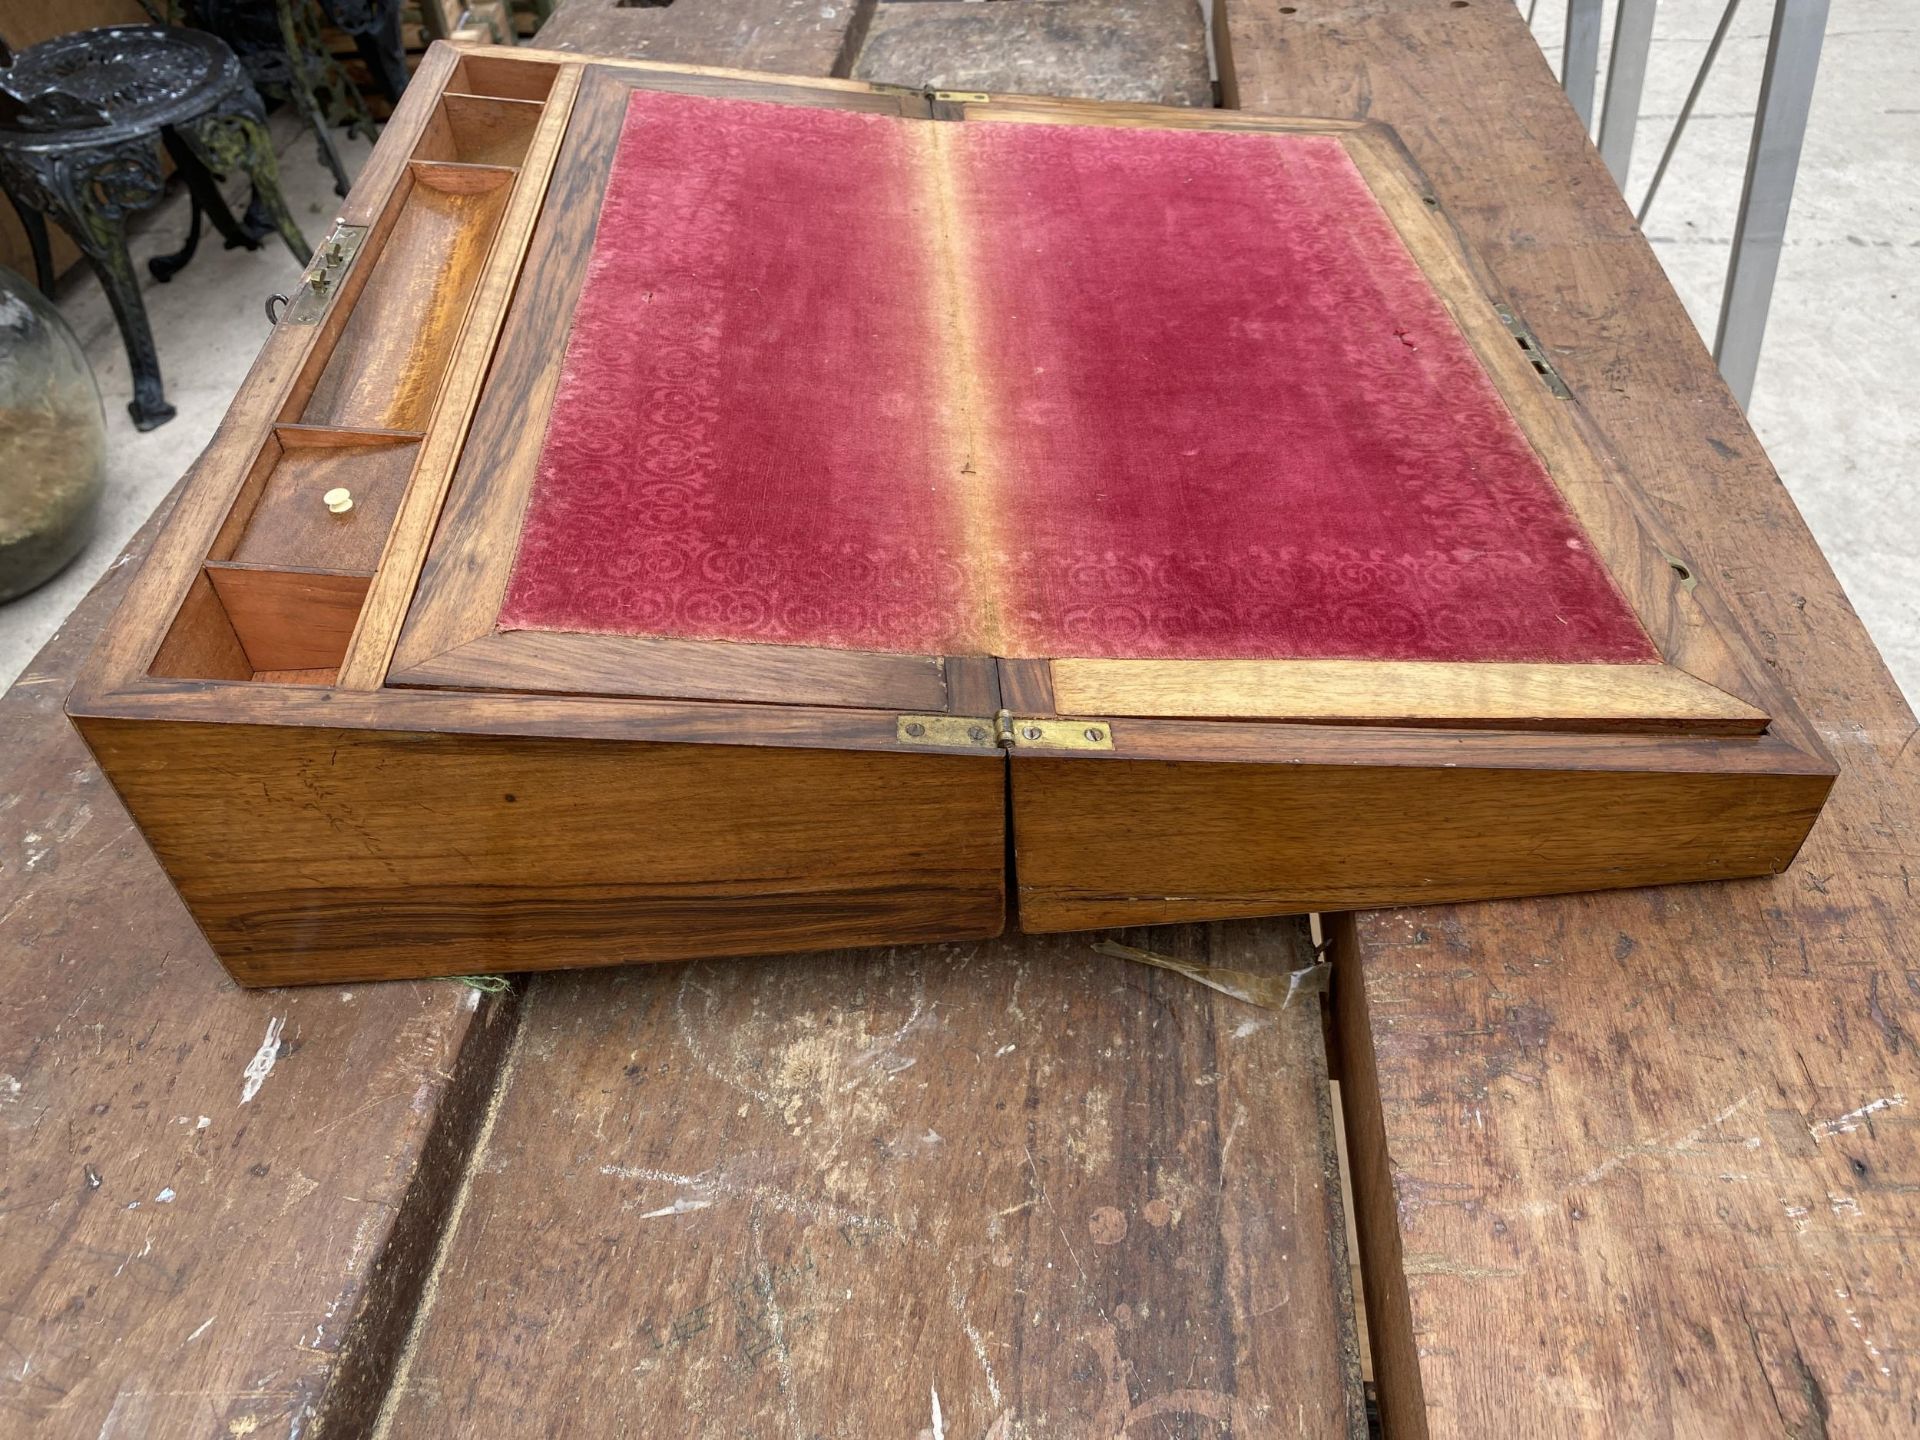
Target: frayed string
(485,984)
(1269,992)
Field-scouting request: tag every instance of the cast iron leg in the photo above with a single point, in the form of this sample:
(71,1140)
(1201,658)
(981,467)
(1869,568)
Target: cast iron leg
(35,225)
(164,267)
(91,192)
(233,139)
(205,189)
(375,28)
(107,251)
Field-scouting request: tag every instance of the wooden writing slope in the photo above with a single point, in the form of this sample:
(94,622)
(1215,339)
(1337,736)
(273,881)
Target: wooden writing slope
(779,517)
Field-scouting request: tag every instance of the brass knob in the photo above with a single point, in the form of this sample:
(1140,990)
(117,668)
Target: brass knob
(339,500)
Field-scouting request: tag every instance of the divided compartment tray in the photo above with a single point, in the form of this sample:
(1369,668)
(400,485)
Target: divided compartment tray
(290,572)
(383,370)
(286,577)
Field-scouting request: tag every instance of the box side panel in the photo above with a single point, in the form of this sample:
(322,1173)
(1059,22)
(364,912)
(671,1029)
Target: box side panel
(310,854)
(1147,842)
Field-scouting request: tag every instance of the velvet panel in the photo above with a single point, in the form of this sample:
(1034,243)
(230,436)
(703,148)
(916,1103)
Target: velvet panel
(862,382)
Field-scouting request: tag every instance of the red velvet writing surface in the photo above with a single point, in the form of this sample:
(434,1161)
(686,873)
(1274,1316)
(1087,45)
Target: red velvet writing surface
(745,442)
(861,382)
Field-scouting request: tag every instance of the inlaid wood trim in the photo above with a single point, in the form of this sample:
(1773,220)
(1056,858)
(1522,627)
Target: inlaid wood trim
(539,661)
(1364,692)
(448,634)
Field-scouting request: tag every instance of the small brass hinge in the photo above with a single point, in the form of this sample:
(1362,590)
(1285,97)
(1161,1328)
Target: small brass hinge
(946,730)
(1529,345)
(324,273)
(969,97)
(1004,731)
(1060,733)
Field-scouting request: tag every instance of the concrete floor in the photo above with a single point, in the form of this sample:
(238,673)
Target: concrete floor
(1845,325)
(1845,330)
(208,323)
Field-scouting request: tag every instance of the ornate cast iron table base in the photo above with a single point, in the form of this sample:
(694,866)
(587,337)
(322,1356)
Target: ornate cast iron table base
(83,118)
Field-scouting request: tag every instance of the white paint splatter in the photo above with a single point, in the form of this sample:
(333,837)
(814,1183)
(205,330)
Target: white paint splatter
(939,1423)
(205,1121)
(261,1065)
(1004,1050)
(678,1207)
(1851,1120)
(201,1331)
(1668,1144)
(165,1197)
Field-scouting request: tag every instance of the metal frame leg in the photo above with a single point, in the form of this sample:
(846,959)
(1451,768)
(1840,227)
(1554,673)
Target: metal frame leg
(208,201)
(91,191)
(1773,160)
(1580,57)
(35,225)
(1626,77)
(237,139)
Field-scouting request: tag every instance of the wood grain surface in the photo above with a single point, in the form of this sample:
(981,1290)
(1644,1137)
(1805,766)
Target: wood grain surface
(1650,1160)
(1098,842)
(215,1205)
(385,370)
(789,37)
(1152,51)
(1575,697)
(289,619)
(1007,1189)
(423,854)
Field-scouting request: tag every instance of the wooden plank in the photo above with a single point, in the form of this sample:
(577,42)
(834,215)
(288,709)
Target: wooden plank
(215,1206)
(1149,51)
(1645,1160)
(1064,1194)
(787,37)
(1583,697)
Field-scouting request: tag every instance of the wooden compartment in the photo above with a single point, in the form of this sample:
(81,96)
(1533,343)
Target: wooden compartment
(286,575)
(282,517)
(287,618)
(480,130)
(503,77)
(384,370)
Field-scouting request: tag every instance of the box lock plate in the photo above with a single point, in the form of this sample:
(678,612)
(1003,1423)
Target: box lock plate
(324,273)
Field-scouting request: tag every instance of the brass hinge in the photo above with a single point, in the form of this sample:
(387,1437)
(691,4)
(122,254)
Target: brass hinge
(963,97)
(324,273)
(1529,345)
(1005,731)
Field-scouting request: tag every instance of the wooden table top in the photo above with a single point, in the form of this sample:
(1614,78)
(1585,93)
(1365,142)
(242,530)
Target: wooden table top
(1630,1163)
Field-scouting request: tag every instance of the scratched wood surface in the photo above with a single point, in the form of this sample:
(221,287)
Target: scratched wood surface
(1021,1186)
(783,37)
(215,1205)
(1153,51)
(1644,1163)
